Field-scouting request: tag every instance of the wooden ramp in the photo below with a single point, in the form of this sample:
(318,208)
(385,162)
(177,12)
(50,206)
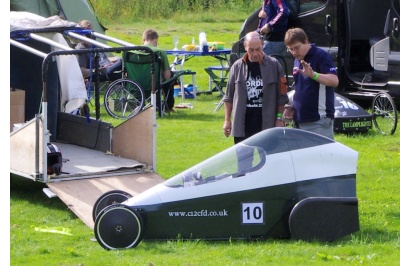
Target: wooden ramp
(80,195)
(96,156)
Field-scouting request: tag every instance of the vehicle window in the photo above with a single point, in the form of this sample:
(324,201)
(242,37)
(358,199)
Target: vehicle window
(294,7)
(234,162)
(308,5)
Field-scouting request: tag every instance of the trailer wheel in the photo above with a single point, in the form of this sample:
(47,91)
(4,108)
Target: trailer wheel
(384,113)
(107,199)
(118,227)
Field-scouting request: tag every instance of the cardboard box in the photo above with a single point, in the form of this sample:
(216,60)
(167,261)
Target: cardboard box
(17,107)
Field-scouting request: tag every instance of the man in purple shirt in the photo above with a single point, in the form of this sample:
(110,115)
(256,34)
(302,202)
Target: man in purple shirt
(315,77)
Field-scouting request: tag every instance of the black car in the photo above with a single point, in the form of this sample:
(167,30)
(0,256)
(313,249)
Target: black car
(352,32)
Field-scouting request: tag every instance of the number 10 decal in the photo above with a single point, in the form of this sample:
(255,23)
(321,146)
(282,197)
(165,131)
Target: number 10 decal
(253,213)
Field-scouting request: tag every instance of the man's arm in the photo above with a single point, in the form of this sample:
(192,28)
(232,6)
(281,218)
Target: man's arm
(282,100)
(166,74)
(325,79)
(281,15)
(165,66)
(85,72)
(227,122)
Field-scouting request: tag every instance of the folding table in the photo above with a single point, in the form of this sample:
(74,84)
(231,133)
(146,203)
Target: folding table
(181,56)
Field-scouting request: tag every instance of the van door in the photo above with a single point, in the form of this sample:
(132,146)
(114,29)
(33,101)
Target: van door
(394,55)
(318,19)
(366,24)
(395,25)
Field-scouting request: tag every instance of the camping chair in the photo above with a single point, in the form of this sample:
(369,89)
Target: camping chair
(219,81)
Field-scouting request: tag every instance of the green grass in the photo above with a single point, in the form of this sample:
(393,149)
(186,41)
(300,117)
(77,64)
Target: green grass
(185,138)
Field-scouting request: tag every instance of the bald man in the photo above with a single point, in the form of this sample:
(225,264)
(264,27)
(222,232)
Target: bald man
(256,92)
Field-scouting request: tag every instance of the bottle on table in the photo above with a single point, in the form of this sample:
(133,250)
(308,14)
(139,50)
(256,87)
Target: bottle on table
(203,42)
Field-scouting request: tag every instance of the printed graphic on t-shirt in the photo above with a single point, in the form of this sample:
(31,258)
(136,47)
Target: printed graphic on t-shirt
(295,70)
(254,86)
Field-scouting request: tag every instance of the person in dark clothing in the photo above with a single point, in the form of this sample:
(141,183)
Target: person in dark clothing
(315,76)
(109,70)
(256,92)
(273,24)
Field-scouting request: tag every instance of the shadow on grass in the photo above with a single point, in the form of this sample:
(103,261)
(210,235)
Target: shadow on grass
(192,117)
(25,189)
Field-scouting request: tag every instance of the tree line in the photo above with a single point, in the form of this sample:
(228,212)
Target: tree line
(137,10)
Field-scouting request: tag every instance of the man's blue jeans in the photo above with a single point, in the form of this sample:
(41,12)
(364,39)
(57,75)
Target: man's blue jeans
(274,48)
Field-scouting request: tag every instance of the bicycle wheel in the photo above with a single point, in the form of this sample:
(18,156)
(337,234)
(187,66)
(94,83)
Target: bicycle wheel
(123,99)
(384,113)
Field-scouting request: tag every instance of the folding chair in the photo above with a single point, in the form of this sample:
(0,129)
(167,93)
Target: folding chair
(218,81)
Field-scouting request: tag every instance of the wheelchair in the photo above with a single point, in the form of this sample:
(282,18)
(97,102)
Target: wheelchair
(127,96)
(123,98)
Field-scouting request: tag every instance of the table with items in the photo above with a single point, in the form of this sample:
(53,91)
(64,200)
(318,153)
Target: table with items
(181,56)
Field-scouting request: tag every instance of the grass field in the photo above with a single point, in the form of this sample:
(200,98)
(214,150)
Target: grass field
(185,138)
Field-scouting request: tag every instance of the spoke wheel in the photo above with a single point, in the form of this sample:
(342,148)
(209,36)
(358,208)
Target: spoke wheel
(384,113)
(107,199)
(118,227)
(123,99)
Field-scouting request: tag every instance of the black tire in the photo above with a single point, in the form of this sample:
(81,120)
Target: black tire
(118,227)
(107,199)
(124,99)
(384,113)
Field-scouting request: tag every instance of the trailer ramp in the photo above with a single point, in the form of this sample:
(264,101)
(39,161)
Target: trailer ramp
(81,194)
(87,174)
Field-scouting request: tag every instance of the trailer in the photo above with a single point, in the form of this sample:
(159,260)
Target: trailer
(78,157)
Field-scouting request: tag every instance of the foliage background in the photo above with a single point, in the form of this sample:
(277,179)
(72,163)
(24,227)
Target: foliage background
(128,11)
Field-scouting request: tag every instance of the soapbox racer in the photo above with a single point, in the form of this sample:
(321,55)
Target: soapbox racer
(351,117)
(280,183)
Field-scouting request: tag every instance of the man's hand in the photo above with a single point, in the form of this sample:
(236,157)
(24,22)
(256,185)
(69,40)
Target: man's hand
(265,30)
(227,128)
(307,69)
(288,113)
(279,123)
(325,79)
(262,14)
